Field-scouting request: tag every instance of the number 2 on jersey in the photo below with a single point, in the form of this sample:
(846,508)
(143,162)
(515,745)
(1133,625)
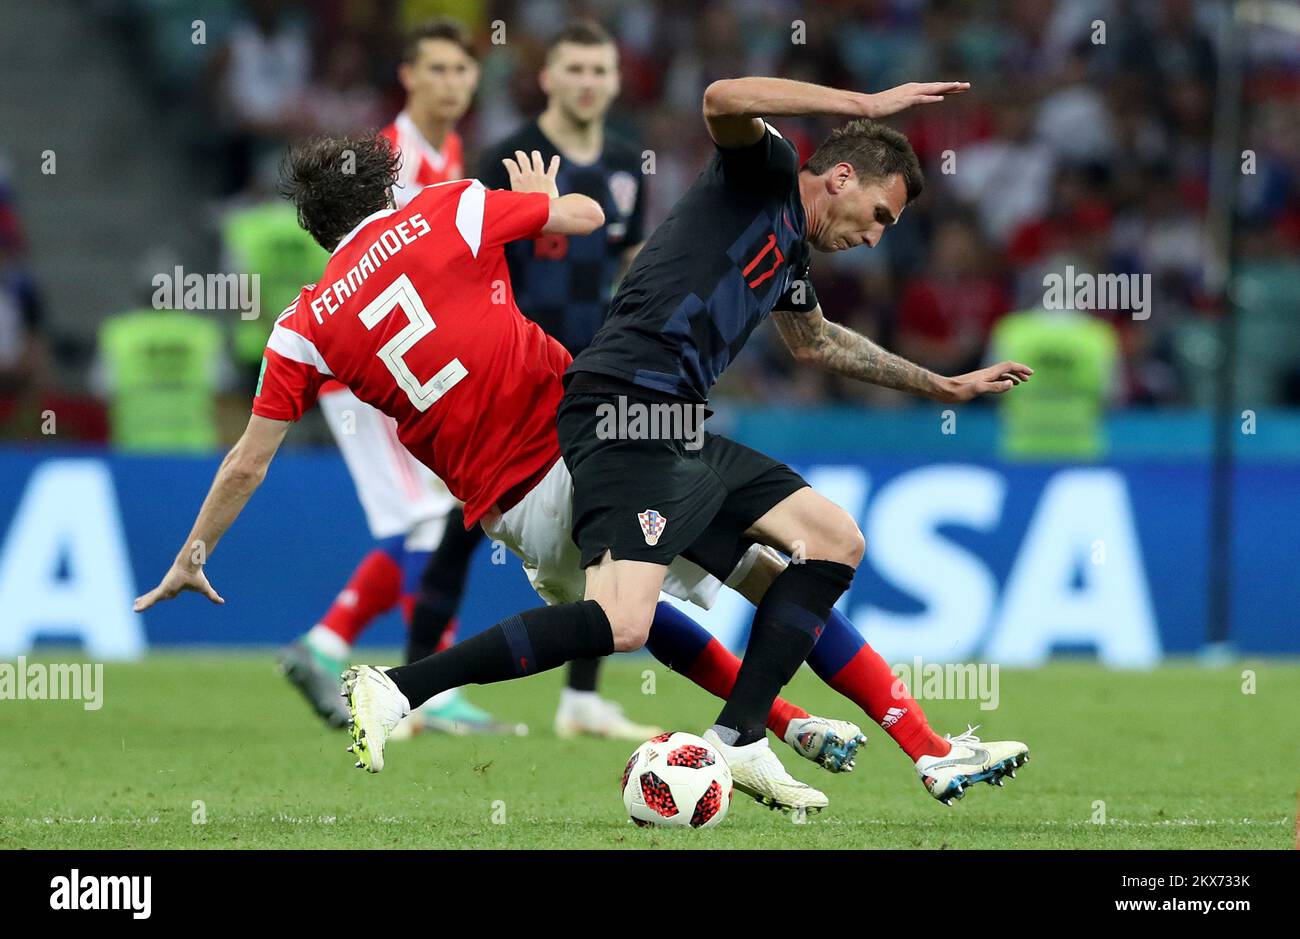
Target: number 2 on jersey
(401,292)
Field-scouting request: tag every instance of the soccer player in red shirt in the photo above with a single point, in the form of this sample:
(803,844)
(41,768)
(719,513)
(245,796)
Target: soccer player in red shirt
(422,553)
(409,511)
(415,304)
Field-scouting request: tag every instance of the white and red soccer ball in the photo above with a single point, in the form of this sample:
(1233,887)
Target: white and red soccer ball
(677,780)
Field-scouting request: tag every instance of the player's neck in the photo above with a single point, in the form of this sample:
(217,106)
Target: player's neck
(577,142)
(434,130)
(809,188)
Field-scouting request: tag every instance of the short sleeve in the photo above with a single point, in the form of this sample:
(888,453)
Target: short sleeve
(286,388)
(510,216)
(770,161)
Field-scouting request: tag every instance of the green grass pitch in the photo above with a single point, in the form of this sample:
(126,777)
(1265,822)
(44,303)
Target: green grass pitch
(205,750)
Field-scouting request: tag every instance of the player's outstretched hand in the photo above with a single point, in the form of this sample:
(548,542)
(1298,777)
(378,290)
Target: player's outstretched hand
(889,102)
(177,581)
(993,380)
(529,173)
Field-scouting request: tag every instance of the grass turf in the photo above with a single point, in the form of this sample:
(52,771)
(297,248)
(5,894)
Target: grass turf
(1181,757)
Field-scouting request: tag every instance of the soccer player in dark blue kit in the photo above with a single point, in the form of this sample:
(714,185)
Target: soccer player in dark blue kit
(734,250)
(564,284)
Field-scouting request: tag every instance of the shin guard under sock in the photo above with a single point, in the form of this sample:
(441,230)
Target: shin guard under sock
(524,644)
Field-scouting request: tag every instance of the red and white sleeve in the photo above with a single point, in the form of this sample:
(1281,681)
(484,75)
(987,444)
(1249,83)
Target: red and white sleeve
(491,217)
(292,373)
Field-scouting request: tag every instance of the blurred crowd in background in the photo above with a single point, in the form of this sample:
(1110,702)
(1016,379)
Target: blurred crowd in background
(1068,150)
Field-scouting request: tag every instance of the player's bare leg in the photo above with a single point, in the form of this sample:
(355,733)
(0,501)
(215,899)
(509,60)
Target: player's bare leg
(627,591)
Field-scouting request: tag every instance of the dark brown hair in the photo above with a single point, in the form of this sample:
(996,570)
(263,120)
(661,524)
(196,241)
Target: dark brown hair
(583,32)
(335,182)
(440,27)
(875,151)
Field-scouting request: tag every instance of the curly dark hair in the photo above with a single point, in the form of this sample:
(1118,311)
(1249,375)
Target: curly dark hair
(335,182)
(876,151)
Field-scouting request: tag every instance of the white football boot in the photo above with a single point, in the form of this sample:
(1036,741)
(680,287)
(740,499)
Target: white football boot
(376,707)
(970,761)
(756,771)
(585,713)
(832,745)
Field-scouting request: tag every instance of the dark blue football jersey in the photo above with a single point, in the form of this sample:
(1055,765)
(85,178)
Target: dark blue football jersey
(731,247)
(564,283)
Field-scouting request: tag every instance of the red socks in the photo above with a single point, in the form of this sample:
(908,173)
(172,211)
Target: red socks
(868,682)
(373,589)
(715,671)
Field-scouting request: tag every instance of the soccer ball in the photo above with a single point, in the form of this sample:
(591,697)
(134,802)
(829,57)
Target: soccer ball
(677,780)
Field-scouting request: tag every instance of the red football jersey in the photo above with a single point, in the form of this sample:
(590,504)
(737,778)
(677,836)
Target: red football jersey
(423,164)
(415,314)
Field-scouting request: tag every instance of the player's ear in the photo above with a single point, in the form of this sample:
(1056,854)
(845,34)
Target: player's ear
(544,78)
(404,75)
(840,176)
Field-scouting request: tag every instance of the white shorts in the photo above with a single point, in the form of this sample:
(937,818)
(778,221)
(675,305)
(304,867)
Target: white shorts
(400,495)
(538,530)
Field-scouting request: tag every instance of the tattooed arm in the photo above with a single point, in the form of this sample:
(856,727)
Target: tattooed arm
(813,338)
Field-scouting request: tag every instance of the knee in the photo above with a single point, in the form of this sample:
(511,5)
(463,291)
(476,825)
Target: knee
(630,625)
(844,541)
